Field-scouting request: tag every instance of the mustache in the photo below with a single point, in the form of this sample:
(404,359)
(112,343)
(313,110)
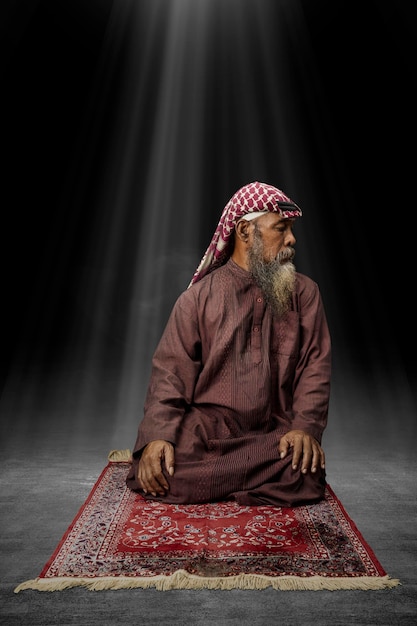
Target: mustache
(287,254)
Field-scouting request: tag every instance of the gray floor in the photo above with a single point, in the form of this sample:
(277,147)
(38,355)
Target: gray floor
(52,453)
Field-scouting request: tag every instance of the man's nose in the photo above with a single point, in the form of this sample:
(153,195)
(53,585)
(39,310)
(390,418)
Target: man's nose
(290,239)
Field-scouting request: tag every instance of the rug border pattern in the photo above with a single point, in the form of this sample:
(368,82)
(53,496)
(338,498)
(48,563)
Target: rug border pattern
(183,577)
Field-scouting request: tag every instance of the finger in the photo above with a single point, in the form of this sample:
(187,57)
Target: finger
(154,486)
(170,460)
(158,481)
(307,458)
(297,453)
(316,461)
(283,447)
(143,481)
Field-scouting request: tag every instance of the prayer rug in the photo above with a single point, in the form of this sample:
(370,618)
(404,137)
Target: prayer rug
(119,540)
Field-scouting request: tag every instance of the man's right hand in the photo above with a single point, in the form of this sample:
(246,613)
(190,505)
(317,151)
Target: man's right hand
(150,475)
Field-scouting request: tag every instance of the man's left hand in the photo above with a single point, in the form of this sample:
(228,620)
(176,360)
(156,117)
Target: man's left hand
(305,450)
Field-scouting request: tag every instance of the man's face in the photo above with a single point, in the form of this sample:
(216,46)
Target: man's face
(276,234)
(270,259)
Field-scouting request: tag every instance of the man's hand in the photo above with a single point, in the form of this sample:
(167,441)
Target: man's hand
(150,475)
(305,450)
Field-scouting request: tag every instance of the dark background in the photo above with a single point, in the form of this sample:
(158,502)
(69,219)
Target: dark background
(127,126)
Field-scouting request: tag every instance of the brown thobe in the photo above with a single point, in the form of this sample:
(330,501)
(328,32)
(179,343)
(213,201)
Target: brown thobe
(228,379)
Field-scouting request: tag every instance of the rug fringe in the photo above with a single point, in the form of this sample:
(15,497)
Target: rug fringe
(183,580)
(120,456)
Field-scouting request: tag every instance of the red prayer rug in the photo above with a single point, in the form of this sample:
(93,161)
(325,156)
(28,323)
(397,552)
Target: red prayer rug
(118,540)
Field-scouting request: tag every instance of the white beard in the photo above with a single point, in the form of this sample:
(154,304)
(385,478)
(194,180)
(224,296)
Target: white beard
(276,278)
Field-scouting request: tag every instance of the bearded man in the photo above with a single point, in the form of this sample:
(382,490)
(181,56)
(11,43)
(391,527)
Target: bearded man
(239,391)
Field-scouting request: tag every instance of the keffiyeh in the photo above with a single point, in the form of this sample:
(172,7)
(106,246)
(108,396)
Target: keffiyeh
(255,197)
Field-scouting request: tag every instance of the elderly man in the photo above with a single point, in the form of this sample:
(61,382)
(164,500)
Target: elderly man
(239,391)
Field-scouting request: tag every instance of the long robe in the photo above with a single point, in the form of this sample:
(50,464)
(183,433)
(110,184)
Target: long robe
(228,379)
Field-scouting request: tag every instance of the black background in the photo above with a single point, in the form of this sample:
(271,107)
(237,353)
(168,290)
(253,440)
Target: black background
(352,103)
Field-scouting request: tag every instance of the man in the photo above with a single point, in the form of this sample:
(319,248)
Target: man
(239,390)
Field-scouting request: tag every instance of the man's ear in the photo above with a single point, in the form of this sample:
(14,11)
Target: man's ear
(242,230)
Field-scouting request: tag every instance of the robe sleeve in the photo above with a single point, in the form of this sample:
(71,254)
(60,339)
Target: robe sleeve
(175,368)
(311,391)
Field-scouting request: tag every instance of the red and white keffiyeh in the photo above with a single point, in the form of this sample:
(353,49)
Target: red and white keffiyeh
(253,198)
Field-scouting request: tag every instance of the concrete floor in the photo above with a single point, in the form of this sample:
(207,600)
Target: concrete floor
(52,453)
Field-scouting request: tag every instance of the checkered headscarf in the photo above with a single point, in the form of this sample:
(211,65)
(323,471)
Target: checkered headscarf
(253,198)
